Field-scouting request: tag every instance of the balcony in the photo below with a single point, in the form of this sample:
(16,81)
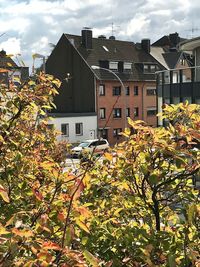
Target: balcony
(178,85)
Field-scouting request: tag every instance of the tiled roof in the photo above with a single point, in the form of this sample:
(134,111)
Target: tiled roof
(114,50)
(6,61)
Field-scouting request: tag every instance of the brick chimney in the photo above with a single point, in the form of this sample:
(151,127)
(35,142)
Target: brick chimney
(145,44)
(86,34)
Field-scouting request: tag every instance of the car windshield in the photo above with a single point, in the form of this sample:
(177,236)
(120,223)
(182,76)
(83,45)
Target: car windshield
(84,144)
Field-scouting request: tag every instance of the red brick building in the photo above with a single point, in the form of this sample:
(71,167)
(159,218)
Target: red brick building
(129,92)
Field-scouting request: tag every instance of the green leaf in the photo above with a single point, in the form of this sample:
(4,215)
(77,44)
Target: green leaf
(90,258)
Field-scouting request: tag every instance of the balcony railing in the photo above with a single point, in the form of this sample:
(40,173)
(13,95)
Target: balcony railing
(182,75)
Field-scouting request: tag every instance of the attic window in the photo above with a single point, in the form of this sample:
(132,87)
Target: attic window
(113,65)
(127,66)
(150,68)
(105,48)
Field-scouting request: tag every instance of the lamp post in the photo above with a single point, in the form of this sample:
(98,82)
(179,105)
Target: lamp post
(123,87)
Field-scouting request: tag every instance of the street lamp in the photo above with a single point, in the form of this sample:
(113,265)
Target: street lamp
(123,87)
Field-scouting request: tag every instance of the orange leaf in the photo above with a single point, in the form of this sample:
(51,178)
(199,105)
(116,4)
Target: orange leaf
(37,194)
(50,245)
(22,233)
(61,216)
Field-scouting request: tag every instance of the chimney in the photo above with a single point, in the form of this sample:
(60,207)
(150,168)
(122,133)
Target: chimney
(102,37)
(174,38)
(87,38)
(2,53)
(145,44)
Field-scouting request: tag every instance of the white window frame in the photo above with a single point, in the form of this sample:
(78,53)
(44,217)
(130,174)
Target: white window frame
(81,128)
(102,89)
(113,65)
(67,129)
(127,66)
(102,113)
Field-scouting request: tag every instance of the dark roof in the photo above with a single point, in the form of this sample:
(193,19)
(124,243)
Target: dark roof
(170,41)
(6,61)
(114,50)
(172,58)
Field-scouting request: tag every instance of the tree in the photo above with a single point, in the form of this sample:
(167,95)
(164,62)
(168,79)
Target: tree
(143,199)
(41,216)
(138,208)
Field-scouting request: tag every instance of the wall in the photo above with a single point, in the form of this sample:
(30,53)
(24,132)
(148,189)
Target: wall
(89,124)
(142,101)
(77,94)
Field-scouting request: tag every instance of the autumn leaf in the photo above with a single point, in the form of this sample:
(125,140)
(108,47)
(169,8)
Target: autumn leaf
(37,194)
(50,245)
(4,194)
(22,233)
(82,225)
(93,261)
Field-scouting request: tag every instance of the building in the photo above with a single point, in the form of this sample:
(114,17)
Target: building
(13,73)
(74,127)
(182,83)
(129,92)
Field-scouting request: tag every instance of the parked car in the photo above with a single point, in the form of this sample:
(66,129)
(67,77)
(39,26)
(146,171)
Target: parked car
(94,146)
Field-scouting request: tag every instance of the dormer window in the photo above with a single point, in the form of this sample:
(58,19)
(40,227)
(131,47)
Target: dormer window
(113,65)
(127,66)
(149,68)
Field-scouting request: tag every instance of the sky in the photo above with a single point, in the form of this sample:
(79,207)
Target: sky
(32,26)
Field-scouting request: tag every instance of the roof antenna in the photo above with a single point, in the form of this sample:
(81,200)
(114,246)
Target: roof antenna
(114,26)
(192,30)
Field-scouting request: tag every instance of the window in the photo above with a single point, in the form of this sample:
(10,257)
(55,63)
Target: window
(105,48)
(117,90)
(101,89)
(149,68)
(79,128)
(127,66)
(113,65)
(65,129)
(151,111)
(127,89)
(151,91)
(127,112)
(135,90)
(136,112)
(117,113)
(102,113)
(117,131)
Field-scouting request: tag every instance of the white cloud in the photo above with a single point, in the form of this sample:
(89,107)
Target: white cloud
(30,25)
(11,46)
(137,24)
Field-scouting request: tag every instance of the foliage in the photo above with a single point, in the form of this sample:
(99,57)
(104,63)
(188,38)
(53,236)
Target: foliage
(41,216)
(146,209)
(136,206)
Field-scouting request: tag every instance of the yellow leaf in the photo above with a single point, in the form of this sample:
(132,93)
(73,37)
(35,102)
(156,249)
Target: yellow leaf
(108,156)
(3,231)
(4,194)
(82,226)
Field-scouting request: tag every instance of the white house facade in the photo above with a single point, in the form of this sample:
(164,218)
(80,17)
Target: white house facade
(74,127)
